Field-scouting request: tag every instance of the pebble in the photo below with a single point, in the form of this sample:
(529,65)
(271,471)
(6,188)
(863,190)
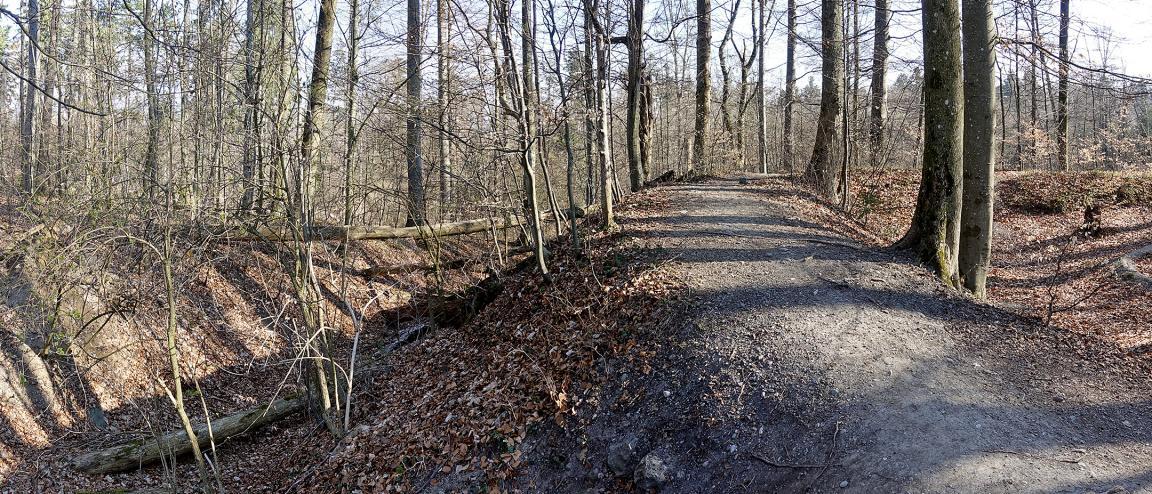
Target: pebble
(667,393)
(843,484)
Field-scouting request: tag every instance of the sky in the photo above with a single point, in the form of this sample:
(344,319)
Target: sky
(1130,21)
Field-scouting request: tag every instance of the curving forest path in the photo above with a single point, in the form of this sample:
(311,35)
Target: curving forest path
(811,364)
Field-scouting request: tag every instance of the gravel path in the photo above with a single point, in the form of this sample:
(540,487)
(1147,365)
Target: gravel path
(813,365)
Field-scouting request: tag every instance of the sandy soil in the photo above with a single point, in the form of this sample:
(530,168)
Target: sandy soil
(812,364)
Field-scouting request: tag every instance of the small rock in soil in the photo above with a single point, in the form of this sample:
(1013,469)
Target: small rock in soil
(651,473)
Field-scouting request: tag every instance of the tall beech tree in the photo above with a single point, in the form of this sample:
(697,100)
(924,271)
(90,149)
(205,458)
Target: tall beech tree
(703,83)
(934,232)
(822,166)
(979,144)
(1062,92)
(413,152)
(879,91)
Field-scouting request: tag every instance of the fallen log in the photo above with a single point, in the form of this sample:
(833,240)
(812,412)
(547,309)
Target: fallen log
(378,232)
(366,232)
(142,451)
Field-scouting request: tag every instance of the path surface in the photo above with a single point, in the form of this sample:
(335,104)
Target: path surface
(814,365)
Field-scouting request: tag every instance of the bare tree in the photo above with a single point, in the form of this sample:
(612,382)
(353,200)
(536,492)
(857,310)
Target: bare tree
(413,152)
(703,83)
(878,87)
(934,232)
(821,171)
(979,144)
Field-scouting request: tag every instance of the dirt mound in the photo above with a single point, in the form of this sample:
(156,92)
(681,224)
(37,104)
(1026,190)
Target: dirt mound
(1062,192)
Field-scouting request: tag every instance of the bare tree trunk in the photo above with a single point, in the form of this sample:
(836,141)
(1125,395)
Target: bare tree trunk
(790,90)
(726,78)
(703,84)
(443,91)
(151,149)
(934,233)
(590,37)
(28,117)
(412,150)
(821,171)
(569,151)
(979,143)
(255,12)
(878,87)
(304,274)
(591,9)
(350,134)
(761,93)
(635,41)
(1062,102)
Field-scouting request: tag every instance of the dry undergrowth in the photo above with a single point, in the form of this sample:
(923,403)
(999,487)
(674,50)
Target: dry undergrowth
(454,407)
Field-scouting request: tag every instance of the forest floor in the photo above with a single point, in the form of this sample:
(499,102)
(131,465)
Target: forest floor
(730,338)
(812,363)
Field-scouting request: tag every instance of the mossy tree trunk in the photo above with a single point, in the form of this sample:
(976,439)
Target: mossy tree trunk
(934,233)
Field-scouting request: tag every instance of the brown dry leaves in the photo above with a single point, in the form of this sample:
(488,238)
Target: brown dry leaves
(461,400)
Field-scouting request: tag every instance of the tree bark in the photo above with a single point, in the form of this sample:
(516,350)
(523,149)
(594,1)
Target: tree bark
(790,90)
(1062,101)
(761,91)
(979,143)
(137,453)
(879,90)
(703,83)
(934,232)
(443,92)
(28,116)
(636,172)
(821,171)
(412,149)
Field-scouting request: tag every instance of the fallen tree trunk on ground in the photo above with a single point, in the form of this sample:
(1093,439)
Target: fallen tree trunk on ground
(368,232)
(378,232)
(139,452)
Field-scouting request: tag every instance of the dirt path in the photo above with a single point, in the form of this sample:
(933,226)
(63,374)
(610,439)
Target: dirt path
(814,365)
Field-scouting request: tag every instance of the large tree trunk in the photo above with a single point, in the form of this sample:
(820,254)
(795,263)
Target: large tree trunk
(591,8)
(761,92)
(935,223)
(1062,102)
(979,143)
(879,90)
(412,148)
(821,171)
(703,83)
(636,172)
(790,90)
